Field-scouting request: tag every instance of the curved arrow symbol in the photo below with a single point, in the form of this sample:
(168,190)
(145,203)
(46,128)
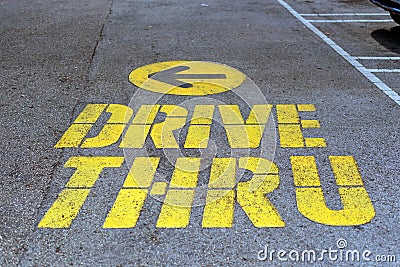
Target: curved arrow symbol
(171,76)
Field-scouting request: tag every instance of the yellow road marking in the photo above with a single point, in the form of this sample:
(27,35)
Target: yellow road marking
(109,134)
(220,201)
(239,133)
(258,165)
(357,206)
(175,212)
(141,173)
(69,202)
(81,126)
(163,132)
(90,113)
(88,169)
(119,113)
(176,209)
(135,136)
(315,142)
(222,195)
(287,113)
(112,130)
(290,136)
(129,203)
(231,114)
(346,171)
(174,111)
(258,208)
(203,114)
(259,114)
(159,188)
(219,209)
(244,136)
(199,129)
(223,173)
(139,129)
(290,126)
(310,124)
(197,136)
(64,209)
(251,195)
(146,114)
(306,107)
(186,173)
(199,87)
(126,209)
(305,172)
(74,135)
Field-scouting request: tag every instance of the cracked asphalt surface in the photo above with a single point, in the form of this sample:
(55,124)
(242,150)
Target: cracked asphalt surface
(58,56)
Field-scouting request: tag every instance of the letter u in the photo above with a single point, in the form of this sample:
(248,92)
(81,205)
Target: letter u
(357,206)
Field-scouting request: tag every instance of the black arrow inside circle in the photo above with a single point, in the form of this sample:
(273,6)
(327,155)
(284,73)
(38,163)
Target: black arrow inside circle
(171,76)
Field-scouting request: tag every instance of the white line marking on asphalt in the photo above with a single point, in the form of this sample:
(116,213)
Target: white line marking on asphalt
(344,14)
(378,58)
(385,70)
(348,20)
(372,77)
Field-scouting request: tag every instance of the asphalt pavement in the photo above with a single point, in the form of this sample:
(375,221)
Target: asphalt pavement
(199,133)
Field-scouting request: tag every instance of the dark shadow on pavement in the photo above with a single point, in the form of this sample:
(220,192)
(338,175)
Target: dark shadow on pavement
(388,38)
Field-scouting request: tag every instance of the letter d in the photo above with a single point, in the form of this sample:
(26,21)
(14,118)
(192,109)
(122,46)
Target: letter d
(263,254)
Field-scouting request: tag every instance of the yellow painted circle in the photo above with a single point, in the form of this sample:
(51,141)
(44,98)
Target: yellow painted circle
(201,78)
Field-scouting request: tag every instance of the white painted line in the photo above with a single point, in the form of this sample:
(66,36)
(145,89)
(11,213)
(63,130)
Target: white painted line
(348,20)
(372,77)
(345,14)
(385,70)
(378,58)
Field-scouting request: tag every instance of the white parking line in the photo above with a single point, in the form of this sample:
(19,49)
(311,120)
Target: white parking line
(385,70)
(348,20)
(344,14)
(356,64)
(378,58)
